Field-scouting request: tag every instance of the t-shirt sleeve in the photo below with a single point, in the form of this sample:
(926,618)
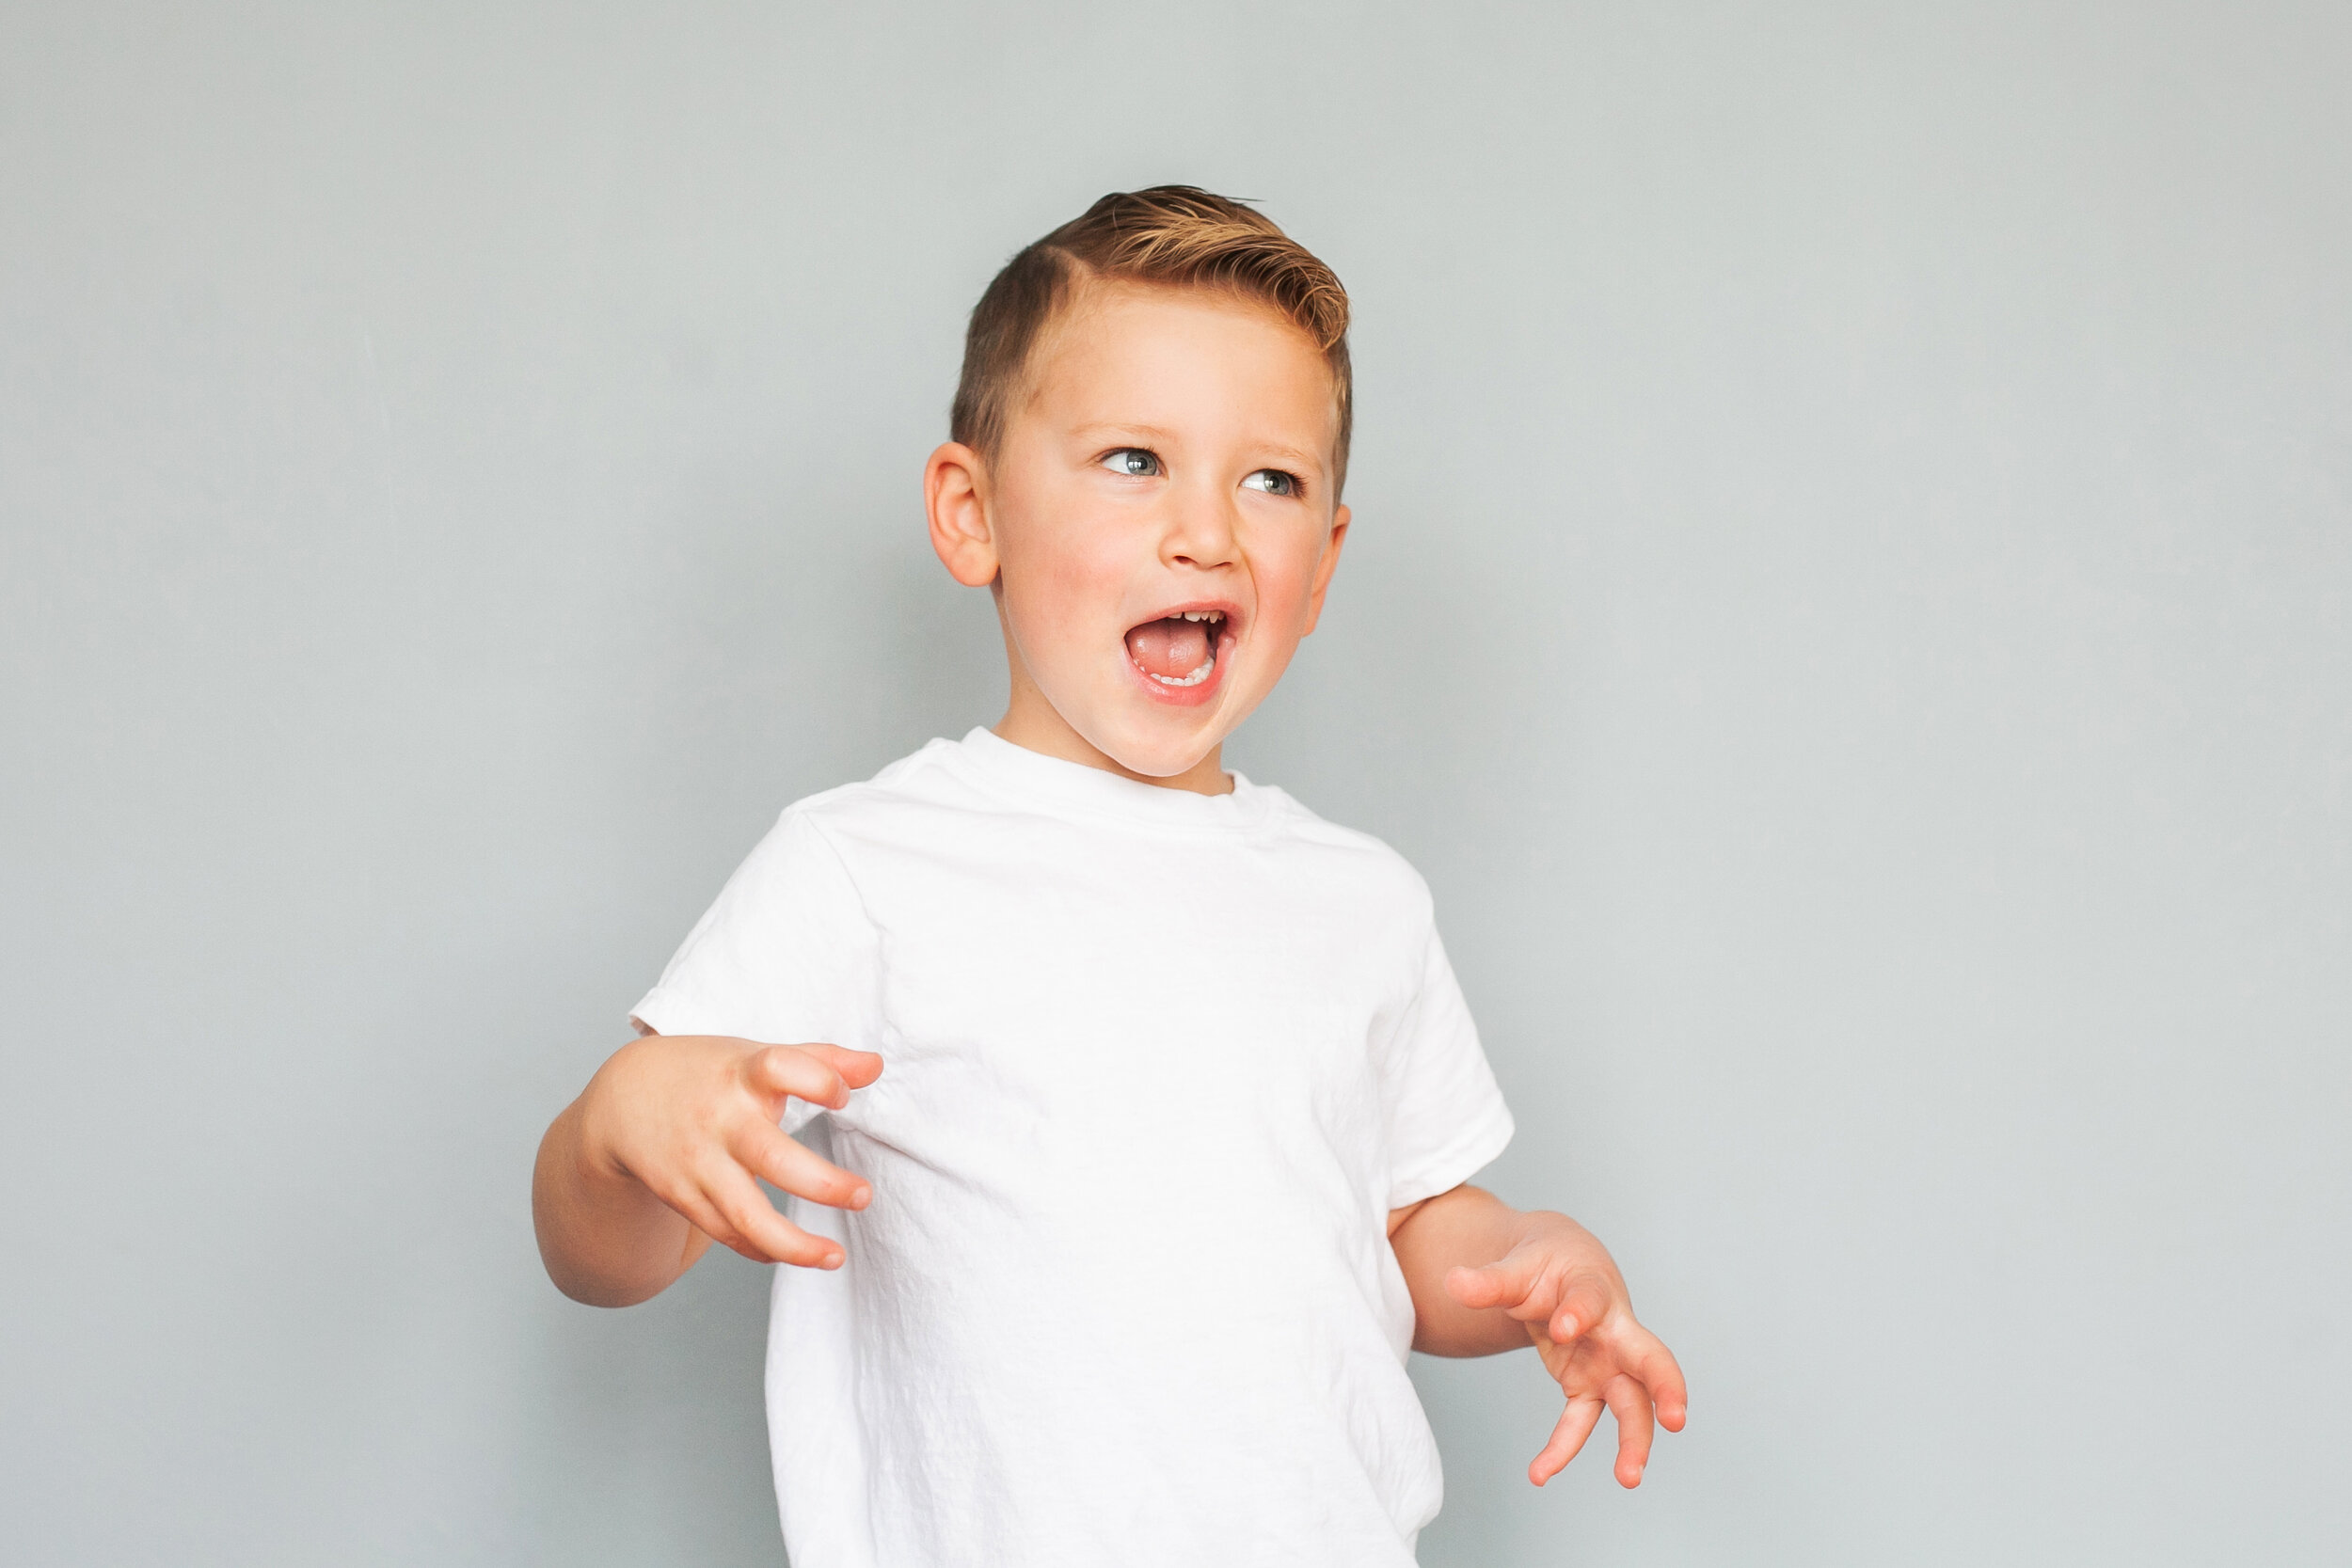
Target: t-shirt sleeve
(1446,1115)
(785,957)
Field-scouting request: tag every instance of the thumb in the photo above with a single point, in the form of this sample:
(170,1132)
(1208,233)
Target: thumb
(1504,1283)
(857,1067)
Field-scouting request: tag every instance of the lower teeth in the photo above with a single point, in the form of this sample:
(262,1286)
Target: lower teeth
(1207,667)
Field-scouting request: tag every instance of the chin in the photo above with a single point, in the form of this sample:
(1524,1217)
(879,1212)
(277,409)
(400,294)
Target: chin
(1159,759)
(1158,744)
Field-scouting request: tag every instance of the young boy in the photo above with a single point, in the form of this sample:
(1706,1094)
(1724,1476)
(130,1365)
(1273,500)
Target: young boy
(1145,1098)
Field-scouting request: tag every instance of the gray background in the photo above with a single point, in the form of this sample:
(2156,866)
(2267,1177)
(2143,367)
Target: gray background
(1849,610)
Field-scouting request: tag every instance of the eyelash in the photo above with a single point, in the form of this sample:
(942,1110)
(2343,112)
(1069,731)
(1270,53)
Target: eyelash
(1294,485)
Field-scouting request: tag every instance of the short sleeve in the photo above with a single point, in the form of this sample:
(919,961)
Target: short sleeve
(786,956)
(1446,1115)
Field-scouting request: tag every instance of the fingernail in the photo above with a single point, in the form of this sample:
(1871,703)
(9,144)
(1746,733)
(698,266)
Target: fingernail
(860,1198)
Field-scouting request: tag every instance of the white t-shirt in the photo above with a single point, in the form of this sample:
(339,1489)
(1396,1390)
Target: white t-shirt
(1158,1065)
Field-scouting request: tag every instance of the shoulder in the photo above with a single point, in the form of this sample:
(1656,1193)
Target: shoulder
(1365,864)
(917,803)
(914,781)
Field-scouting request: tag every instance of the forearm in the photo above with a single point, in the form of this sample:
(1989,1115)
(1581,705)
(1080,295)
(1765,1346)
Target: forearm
(1465,1227)
(605,1238)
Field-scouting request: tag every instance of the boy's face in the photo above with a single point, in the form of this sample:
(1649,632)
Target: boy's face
(1158,524)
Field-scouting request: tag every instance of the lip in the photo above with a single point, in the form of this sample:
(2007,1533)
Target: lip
(1228,643)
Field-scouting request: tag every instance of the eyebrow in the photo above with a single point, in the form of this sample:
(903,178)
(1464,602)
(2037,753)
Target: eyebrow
(1113,427)
(1292,454)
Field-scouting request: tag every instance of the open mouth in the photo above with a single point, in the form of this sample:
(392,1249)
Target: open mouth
(1180,651)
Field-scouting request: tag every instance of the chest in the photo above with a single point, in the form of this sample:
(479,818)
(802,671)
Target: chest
(1100,1003)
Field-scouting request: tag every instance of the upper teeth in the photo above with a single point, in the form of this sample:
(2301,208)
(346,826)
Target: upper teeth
(1204,615)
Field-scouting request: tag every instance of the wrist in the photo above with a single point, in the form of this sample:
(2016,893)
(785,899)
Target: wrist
(1534,1226)
(596,1152)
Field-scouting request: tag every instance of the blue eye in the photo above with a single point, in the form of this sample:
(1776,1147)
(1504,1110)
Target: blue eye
(1274,481)
(1132,461)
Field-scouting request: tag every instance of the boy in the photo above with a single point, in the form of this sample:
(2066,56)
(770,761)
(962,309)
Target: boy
(1149,1097)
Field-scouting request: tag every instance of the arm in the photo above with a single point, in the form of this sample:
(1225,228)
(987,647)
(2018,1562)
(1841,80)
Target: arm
(1487,1278)
(657,1159)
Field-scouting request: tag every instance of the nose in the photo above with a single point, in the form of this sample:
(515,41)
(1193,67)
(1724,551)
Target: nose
(1204,528)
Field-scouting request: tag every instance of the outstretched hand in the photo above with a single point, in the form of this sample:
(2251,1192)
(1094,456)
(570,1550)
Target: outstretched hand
(665,1151)
(694,1118)
(1562,1286)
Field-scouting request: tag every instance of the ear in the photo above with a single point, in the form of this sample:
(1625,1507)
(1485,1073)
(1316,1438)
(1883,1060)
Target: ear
(954,484)
(1324,567)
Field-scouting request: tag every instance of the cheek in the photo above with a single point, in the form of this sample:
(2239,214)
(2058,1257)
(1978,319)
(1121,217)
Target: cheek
(1062,579)
(1283,576)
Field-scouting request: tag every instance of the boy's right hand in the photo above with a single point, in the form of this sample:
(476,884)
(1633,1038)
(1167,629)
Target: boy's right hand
(692,1119)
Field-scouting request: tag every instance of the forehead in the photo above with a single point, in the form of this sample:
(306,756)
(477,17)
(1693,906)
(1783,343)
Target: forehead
(1120,341)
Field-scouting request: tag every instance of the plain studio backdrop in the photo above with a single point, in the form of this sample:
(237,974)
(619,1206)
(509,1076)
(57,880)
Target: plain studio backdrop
(1847,608)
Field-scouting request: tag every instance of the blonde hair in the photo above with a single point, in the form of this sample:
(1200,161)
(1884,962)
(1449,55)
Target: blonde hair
(1179,236)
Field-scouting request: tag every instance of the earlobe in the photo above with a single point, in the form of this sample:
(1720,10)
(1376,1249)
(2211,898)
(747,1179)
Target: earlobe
(954,500)
(1324,567)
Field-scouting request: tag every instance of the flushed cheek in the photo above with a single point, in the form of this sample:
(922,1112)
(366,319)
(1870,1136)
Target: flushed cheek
(1062,603)
(1281,596)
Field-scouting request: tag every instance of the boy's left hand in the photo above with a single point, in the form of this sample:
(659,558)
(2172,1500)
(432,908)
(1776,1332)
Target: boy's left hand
(1562,1287)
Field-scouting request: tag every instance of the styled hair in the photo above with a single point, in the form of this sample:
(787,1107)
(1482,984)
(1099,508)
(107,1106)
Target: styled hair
(1178,236)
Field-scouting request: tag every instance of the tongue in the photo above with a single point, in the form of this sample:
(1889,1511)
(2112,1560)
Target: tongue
(1173,647)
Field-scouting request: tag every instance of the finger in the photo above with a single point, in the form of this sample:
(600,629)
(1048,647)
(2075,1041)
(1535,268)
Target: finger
(858,1068)
(1505,1282)
(753,1228)
(707,1217)
(1628,1401)
(765,1152)
(1582,1302)
(1568,1438)
(799,1073)
(1658,1368)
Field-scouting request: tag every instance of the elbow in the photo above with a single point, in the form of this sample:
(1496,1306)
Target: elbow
(591,1287)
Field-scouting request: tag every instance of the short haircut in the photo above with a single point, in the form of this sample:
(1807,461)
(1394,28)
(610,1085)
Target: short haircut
(1177,236)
